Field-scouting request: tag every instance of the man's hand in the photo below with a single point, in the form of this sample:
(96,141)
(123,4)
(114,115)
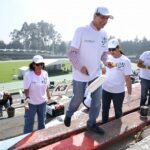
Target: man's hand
(110,64)
(84,70)
(140,64)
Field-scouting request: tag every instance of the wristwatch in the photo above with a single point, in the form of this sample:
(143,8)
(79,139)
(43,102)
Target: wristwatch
(27,98)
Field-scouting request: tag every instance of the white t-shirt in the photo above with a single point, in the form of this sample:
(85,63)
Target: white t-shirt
(145,73)
(115,82)
(91,45)
(37,85)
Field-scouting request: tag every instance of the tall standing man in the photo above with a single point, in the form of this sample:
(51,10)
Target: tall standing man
(88,49)
(144,65)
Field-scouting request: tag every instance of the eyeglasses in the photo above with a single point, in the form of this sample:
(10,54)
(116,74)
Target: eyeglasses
(112,49)
(39,64)
(102,16)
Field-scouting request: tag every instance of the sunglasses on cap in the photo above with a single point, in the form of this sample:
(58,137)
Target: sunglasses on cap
(39,64)
(102,16)
(112,49)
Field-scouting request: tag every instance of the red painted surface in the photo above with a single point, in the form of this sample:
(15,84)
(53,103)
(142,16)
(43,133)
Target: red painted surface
(77,142)
(115,131)
(51,135)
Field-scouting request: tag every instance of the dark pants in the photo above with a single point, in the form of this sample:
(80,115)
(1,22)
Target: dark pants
(145,92)
(30,114)
(117,99)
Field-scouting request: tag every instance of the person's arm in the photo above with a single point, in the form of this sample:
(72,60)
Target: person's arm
(73,56)
(26,84)
(129,88)
(104,58)
(26,93)
(10,100)
(141,64)
(48,94)
(128,84)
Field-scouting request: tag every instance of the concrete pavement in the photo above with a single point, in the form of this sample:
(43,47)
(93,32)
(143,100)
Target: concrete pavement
(12,127)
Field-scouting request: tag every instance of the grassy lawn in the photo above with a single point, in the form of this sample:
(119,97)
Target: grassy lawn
(10,68)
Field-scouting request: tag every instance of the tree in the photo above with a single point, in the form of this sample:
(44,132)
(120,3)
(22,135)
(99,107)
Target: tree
(36,36)
(63,48)
(2,45)
(15,45)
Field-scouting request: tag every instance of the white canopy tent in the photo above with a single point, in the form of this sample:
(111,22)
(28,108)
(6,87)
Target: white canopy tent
(22,71)
(48,63)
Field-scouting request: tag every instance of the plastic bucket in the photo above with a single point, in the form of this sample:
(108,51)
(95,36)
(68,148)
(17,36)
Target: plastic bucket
(144,111)
(11,112)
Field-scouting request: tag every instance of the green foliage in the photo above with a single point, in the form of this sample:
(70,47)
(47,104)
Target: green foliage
(2,45)
(66,68)
(135,47)
(36,35)
(10,68)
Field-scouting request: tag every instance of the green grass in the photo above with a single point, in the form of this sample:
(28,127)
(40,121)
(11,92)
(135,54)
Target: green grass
(10,68)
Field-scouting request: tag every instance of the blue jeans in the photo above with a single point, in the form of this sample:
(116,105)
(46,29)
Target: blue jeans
(145,91)
(30,115)
(117,99)
(6,105)
(78,91)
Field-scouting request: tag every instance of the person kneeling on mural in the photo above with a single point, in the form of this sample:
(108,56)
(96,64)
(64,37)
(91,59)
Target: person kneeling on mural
(5,100)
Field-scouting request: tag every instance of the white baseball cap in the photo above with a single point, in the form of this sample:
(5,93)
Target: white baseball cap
(1,95)
(38,59)
(113,43)
(104,11)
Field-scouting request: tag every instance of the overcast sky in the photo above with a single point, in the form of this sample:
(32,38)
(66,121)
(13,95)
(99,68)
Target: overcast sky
(130,16)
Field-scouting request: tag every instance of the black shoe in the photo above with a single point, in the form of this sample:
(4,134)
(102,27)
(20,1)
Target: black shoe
(67,121)
(96,129)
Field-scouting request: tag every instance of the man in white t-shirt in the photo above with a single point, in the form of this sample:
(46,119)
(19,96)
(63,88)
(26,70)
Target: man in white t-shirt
(118,73)
(88,48)
(144,65)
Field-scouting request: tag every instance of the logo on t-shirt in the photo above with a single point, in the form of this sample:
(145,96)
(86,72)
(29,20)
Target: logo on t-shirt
(89,41)
(103,41)
(120,65)
(44,80)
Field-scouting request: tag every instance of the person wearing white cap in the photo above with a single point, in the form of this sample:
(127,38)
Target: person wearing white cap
(88,49)
(144,65)
(118,71)
(36,83)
